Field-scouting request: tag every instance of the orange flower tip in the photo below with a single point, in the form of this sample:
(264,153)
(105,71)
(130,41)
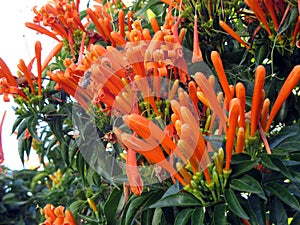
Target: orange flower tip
(137,190)
(118,38)
(69,218)
(233,34)
(234,108)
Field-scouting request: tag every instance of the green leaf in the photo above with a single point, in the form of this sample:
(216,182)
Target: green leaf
(174,189)
(245,203)
(80,165)
(13,202)
(111,205)
(134,205)
(49,108)
(285,171)
(267,162)
(219,216)
(183,217)
(83,13)
(148,6)
(234,204)
(248,184)
(56,126)
(197,217)
(32,123)
(243,166)
(38,177)
(283,136)
(259,208)
(261,53)
(295,156)
(278,214)
(16,123)
(76,206)
(21,150)
(8,196)
(157,216)
(22,127)
(64,150)
(146,217)
(52,143)
(73,149)
(283,194)
(157,195)
(290,145)
(180,199)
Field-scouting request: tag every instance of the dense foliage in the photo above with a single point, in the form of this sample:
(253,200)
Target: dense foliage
(161,112)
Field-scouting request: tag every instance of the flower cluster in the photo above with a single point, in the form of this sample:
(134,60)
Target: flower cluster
(57,215)
(167,109)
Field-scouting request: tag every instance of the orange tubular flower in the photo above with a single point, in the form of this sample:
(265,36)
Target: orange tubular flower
(22,67)
(289,84)
(260,74)
(265,112)
(181,35)
(5,89)
(121,21)
(152,154)
(155,42)
(48,210)
(254,5)
(57,216)
(146,34)
(233,34)
(5,72)
(202,98)
(216,59)
(234,111)
(194,137)
(129,20)
(41,30)
(95,20)
(105,26)
(209,93)
(154,24)
(197,54)
(38,49)
(269,5)
(188,117)
(151,132)
(134,178)
(143,86)
(50,56)
(192,88)
(118,38)
(69,218)
(59,213)
(177,5)
(143,126)
(241,95)
(240,142)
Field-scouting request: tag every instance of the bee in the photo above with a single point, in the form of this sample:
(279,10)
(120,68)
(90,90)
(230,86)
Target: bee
(86,79)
